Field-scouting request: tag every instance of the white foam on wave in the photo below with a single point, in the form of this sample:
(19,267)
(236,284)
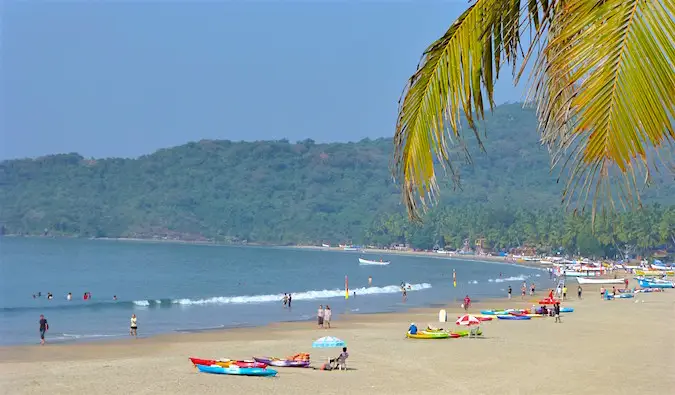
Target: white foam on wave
(141,303)
(522,277)
(307,295)
(473,282)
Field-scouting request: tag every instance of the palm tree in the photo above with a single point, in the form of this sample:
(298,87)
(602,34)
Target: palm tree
(603,83)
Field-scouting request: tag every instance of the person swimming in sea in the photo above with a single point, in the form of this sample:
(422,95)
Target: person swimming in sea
(69,296)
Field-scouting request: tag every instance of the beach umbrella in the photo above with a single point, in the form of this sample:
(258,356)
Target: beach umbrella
(468,320)
(328,342)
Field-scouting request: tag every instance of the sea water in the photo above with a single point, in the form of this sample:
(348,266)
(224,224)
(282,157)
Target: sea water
(186,288)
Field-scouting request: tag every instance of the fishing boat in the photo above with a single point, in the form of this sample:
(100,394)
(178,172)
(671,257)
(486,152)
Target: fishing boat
(654,273)
(369,262)
(644,283)
(582,280)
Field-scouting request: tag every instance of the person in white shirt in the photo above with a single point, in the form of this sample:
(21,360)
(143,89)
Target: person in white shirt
(133,330)
(326,317)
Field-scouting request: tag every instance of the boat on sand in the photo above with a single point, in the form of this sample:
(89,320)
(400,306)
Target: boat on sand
(582,280)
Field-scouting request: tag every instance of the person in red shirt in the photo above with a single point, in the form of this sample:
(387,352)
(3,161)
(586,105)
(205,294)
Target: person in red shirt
(467,303)
(550,294)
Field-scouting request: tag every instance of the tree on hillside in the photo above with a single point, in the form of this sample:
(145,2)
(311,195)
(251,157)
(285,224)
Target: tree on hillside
(603,83)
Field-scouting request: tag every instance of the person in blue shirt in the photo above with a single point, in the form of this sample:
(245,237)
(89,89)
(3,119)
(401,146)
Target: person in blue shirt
(413,329)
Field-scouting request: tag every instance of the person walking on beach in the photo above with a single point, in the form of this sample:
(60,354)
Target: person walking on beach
(44,327)
(564,292)
(285,299)
(579,292)
(625,282)
(510,291)
(327,314)
(556,312)
(133,329)
(522,291)
(290,299)
(319,316)
(532,289)
(467,303)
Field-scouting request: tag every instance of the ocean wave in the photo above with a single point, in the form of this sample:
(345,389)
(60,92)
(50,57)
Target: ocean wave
(307,295)
(245,299)
(522,277)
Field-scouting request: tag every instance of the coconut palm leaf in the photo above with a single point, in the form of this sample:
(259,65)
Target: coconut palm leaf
(455,75)
(603,84)
(607,92)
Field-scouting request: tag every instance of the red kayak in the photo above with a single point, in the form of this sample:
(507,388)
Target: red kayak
(549,301)
(481,318)
(241,364)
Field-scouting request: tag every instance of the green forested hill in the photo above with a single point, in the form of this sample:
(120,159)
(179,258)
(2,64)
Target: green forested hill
(267,191)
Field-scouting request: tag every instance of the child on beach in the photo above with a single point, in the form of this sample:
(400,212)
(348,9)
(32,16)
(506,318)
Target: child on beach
(556,312)
(510,291)
(579,292)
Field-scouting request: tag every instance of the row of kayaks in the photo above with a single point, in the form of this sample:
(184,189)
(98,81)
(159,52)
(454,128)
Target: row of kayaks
(256,367)
(440,334)
(520,312)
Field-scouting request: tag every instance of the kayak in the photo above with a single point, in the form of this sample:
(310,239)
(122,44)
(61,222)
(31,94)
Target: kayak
(503,312)
(513,317)
(486,317)
(466,333)
(429,335)
(566,310)
(549,301)
(227,362)
(235,370)
(289,363)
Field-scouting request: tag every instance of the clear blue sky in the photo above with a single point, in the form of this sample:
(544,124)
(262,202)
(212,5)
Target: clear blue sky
(127,78)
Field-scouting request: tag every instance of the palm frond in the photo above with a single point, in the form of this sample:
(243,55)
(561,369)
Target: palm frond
(455,76)
(605,88)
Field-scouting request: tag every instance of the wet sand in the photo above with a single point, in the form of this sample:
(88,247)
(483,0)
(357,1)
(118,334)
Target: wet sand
(604,347)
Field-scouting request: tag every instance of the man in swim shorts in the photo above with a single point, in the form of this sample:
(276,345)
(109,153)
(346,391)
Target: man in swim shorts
(44,326)
(319,316)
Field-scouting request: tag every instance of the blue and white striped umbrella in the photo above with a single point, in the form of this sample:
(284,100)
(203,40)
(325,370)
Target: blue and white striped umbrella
(328,342)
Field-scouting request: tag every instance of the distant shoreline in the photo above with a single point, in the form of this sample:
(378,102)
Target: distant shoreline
(375,251)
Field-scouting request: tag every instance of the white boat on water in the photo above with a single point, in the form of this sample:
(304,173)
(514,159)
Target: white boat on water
(369,262)
(582,280)
(350,248)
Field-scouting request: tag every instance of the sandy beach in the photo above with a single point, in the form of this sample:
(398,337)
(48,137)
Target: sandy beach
(603,347)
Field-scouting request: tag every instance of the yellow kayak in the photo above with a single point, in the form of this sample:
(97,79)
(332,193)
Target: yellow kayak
(427,335)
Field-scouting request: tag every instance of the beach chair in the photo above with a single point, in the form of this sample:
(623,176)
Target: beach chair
(339,363)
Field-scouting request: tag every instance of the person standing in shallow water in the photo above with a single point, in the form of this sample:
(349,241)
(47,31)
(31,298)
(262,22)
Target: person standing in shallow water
(285,299)
(290,299)
(133,329)
(44,327)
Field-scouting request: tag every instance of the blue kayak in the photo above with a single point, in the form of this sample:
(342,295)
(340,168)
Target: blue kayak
(566,310)
(235,370)
(513,317)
